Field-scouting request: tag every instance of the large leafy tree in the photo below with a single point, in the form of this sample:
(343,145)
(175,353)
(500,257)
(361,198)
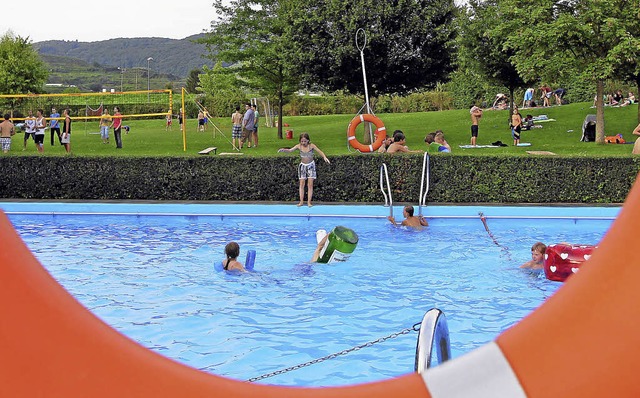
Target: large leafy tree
(482,46)
(21,69)
(249,35)
(409,43)
(552,37)
(224,91)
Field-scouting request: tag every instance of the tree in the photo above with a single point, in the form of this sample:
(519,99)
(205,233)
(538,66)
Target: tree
(553,37)
(223,88)
(193,80)
(249,35)
(21,69)
(482,46)
(409,44)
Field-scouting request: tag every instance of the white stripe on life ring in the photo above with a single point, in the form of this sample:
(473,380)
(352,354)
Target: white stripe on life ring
(351,138)
(361,118)
(370,148)
(482,373)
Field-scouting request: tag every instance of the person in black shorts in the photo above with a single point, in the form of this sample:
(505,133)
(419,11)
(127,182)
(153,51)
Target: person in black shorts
(476,114)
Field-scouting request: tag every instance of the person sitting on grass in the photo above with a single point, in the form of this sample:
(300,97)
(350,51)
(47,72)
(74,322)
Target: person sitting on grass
(409,219)
(537,256)
(399,141)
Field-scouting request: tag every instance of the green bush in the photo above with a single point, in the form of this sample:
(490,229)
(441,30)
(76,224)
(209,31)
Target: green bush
(349,178)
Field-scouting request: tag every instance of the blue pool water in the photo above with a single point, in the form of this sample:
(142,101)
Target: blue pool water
(150,275)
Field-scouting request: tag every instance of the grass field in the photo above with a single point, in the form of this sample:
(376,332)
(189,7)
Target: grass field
(149,138)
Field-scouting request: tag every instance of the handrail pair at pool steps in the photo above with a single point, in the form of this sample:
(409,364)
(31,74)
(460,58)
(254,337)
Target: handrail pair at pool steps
(433,331)
(388,199)
(384,177)
(424,190)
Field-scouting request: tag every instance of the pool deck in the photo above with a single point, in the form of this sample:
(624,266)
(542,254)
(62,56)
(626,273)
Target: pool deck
(291,210)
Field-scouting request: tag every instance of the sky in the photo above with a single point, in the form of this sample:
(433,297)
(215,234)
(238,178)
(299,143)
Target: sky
(88,21)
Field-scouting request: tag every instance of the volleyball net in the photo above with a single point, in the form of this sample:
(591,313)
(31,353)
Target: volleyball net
(132,104)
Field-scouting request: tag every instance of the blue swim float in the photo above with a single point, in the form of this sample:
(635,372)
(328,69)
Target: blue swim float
(248,262)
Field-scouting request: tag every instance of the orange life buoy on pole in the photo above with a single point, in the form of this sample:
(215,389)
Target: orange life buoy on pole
(381,132)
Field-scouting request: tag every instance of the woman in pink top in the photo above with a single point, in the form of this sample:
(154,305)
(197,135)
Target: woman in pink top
(117,126)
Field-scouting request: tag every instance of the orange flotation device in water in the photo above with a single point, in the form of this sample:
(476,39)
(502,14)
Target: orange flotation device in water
(381,132)
(562,260)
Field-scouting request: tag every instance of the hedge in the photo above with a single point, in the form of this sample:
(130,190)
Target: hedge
(349,178)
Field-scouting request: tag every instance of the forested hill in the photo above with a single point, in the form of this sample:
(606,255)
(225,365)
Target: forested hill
(170,56)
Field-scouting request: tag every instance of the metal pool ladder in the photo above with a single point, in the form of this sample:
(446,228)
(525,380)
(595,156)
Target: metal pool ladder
(384,177)
(433,330)
(424,190)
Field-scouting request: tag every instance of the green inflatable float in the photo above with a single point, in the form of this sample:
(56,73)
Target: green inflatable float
(340,243)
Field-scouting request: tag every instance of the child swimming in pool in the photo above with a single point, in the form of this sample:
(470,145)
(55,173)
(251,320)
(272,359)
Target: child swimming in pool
(409,219)
(231,263)
(537,256)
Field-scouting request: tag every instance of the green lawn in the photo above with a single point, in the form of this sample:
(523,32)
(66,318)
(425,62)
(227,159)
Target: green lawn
(149,138)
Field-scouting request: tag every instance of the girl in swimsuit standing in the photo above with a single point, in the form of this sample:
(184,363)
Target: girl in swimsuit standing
(307,167)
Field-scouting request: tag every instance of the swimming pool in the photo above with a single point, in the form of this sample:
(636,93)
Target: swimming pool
(149,274)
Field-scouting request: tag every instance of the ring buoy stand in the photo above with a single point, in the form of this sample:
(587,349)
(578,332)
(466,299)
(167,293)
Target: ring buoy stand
(381,132)
(340,243)
(561,260)
(582,342)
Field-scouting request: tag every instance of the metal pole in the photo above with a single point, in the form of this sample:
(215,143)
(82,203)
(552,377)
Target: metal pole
(148,83)
(364,72)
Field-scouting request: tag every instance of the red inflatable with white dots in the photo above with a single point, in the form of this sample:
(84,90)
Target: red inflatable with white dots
(563,260)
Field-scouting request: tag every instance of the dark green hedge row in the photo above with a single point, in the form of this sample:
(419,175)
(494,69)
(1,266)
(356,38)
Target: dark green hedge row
(349,178)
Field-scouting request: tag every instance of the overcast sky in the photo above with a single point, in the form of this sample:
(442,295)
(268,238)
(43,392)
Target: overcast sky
(42,20)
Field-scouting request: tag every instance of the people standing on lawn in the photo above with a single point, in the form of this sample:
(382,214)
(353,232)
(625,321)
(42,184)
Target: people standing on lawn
(200,121)
(65,137)
(560,92)
(256,116)
(545,95)
(54,124)
(236,130)
(41,124)
(516,126)
(307,167)
(169,121)
(248,121)
(476,114)
(528,97)
(7,131)
(105,123)
(117,127)
(29,129)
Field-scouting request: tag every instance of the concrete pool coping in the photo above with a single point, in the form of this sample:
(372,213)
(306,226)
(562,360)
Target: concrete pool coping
(244,209)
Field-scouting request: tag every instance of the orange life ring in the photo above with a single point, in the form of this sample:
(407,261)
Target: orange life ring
(381,132)
(52,346)
(561,260)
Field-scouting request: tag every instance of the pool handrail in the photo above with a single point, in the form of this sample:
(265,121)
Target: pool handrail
(424,191)
(388,199)
(433,329)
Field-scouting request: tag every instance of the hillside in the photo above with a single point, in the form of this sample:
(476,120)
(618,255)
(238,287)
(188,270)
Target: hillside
(170,56)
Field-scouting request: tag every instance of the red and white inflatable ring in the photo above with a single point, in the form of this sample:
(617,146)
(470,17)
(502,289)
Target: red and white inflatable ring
(562,260)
